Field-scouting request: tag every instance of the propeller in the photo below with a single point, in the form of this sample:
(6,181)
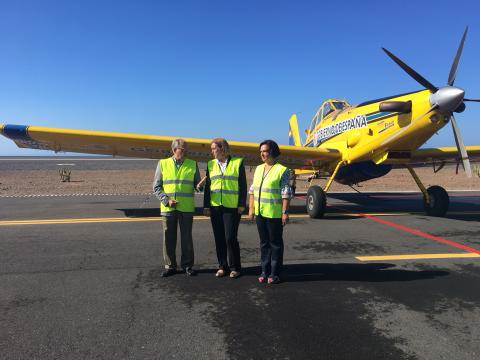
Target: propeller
(446,99)
(453,70)
(461,147)
(419,78)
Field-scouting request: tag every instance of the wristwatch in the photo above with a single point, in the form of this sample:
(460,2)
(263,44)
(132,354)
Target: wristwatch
(285,212)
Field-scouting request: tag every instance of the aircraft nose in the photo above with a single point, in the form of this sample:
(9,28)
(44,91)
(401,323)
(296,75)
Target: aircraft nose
(447,98)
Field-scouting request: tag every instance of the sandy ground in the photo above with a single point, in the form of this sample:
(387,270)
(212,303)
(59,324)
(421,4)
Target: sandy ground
(139,181)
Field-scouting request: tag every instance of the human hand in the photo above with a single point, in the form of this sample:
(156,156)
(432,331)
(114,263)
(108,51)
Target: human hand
(285,219)
(240,210)
(251,216)
(172,203)
(201,184)
(206,212)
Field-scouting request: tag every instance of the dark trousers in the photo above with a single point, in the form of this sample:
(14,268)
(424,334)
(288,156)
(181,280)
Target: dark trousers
(170,224)
(225,223)
(271,245)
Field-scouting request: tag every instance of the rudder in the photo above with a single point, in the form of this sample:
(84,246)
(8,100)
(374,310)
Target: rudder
(293,133)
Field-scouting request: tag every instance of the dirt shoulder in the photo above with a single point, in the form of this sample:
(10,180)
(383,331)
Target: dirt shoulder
(47,182)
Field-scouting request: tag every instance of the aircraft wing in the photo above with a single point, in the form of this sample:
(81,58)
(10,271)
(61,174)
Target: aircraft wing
(154,147)
(444,154)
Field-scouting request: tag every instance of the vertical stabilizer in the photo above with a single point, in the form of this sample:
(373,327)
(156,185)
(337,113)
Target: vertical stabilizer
(293,133)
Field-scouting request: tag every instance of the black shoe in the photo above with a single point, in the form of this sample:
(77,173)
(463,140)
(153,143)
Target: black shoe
(190,272)
(169,272)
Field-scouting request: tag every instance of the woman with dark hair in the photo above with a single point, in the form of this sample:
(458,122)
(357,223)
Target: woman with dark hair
(270,196)
(224,201)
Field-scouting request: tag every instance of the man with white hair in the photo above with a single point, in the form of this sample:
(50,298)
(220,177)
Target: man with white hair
(174,185)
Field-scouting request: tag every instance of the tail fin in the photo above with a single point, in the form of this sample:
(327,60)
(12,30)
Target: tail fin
(293,133)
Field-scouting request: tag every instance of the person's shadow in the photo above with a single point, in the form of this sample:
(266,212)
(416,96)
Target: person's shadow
(371,272)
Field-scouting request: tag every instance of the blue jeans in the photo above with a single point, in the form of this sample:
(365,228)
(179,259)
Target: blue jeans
(271,245)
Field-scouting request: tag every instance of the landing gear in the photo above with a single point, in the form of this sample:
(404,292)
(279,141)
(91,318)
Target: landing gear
(435,198)
(316,198)
(316,202)
(439,201)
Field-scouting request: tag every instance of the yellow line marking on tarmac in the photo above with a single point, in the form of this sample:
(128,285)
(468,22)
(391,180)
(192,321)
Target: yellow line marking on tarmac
(200,217)
(119,219)
(75,221)
(417,257)
(101,220)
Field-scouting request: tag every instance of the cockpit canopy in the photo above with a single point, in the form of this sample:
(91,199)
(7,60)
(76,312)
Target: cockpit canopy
(327,109)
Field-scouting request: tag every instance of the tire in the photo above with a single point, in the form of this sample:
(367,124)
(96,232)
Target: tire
(316,202)
(439,201)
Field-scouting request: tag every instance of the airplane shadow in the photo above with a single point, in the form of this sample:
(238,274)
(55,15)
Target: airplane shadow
(150,212)
(357,204)
(397,202)
(372,272)
(140,213)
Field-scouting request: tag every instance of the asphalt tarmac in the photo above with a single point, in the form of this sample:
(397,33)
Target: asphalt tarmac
(375,279)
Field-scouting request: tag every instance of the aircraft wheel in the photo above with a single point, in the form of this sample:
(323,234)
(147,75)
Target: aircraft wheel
(316,202)
(439,201)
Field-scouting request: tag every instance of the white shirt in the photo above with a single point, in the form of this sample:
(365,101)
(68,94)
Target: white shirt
(223,166)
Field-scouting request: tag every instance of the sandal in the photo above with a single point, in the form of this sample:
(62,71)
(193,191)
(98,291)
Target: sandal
(273,279)
(220,273)
(262,279)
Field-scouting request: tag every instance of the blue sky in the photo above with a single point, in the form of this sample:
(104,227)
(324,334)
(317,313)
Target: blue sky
(236,69)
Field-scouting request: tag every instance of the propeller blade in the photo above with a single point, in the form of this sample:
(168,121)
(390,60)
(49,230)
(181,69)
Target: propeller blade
(418,78)
(453,69)
(461,147)
(476,100)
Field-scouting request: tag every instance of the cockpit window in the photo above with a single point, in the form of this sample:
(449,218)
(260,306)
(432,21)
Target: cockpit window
(327,109)
(339,105)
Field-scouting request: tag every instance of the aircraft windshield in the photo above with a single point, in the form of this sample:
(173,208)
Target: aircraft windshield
(339,105)
(325,110)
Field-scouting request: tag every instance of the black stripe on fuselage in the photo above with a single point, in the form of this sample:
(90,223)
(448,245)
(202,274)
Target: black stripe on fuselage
(386,98)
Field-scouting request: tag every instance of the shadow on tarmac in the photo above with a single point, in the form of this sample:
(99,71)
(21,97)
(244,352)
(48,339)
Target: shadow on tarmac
(150,212)
(357,204)
(373,272)
(402,202)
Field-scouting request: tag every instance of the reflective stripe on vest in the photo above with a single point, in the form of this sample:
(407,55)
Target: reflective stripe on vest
(224,187)
(178,184)
(267,192)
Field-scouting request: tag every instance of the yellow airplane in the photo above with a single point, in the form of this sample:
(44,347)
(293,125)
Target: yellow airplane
(349,144)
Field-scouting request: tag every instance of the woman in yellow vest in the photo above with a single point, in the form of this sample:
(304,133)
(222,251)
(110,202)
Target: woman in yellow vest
(175,181)
(270,196)
(224,201)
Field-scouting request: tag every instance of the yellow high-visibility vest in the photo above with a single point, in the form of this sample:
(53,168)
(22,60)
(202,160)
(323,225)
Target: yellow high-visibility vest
(267,191)
(178,184)
(224,187)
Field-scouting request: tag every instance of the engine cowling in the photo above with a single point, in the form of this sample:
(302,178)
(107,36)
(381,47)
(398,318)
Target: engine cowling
(362,171)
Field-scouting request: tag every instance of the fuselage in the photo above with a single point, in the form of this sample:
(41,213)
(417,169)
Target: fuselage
(365,133)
